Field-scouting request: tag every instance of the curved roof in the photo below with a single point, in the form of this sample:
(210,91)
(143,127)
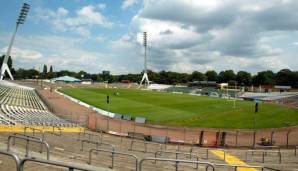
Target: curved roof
(66,79)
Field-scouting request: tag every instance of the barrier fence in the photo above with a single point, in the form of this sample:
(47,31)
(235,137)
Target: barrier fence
(176,161)
(201,137)
(159,154)
(97,143)
(113,156)
(138,165)
(28,139)
(264,153)
(146,143)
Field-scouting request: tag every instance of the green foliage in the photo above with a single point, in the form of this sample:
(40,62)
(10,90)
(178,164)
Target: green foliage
(244,78)
(186,110)
(198,76)
(211,75)
(44,71)
(226,76)
(264,78)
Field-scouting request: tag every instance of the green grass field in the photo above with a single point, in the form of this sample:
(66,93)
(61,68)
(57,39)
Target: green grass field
(186,110)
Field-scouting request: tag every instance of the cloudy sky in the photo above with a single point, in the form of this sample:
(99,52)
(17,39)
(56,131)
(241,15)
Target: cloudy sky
(183,35)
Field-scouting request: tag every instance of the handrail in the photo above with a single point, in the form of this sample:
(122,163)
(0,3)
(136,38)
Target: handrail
(90,136)
(15,157)
(53,131)
(145,144)
(264,153)
(33,131)
(56,163)
(113,154)
(96,143)
(175,160)
(27,144)
(236,166)
(28,136)
(176,156)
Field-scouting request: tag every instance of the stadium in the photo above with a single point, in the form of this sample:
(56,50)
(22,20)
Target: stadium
(66,122)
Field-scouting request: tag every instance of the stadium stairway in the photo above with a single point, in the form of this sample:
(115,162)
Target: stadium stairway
(67,148)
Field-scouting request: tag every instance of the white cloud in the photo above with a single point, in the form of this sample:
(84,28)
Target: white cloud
(23,54)
(85,18)
(217,35)
(128,3)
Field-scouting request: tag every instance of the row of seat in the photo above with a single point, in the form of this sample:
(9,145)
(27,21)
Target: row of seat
(32,116)
(20,97)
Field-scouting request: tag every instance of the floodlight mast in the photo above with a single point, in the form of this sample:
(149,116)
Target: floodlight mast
(21,20)
(145,75)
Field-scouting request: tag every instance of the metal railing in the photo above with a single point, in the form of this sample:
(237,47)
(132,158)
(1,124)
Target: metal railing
(97,144)
(15,157)
(34,130)
(264,153)
(28,136)
(28,139)
(145,144)
(90,136)
(55,163)
(208,164)
(53,130)
(263,168)
(113,156)
(159,153)
(179,144)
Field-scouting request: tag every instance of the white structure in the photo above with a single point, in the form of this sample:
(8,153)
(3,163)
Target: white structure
(145,78)
(20,20)
(158,86)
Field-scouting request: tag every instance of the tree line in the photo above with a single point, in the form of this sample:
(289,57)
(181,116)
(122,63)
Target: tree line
(243,78)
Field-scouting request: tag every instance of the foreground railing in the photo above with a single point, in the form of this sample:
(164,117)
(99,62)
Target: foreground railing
(139,165)
(28,139)
(15,157)
(207,164)
(159,153)
(263,152)
(70,167)
(113,156)
(96,143)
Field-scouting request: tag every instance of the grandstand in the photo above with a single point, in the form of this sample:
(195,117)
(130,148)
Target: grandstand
(21,105)
(268,96)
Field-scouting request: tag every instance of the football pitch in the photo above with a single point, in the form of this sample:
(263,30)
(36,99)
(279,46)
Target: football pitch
(185,110)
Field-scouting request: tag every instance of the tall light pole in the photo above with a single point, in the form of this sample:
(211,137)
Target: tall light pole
(145,75)
(21,20)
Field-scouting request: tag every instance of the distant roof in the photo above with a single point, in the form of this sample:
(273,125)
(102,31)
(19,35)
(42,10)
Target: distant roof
(66,79)
(282,87)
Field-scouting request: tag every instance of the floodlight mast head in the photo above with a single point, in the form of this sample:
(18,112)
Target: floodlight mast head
(23,14)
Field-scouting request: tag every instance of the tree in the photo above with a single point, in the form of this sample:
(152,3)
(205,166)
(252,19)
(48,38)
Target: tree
(198,76)
(285,77)
(211,75)
(226,76)
(264,78)
(51,74)
(244,78)
(44,71)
